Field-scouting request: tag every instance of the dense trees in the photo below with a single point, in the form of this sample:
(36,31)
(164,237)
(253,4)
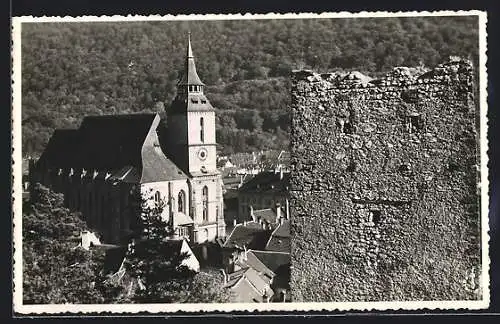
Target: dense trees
(55,271)
(75,69)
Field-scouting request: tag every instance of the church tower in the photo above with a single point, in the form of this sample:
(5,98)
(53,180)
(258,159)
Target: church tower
(191,134)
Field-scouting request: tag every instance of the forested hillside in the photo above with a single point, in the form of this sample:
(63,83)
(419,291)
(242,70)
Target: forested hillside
(75,69)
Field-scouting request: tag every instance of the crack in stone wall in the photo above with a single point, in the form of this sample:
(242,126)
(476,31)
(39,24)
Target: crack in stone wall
(384,195)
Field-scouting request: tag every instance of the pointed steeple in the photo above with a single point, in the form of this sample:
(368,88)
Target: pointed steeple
(190,50)
(190,76)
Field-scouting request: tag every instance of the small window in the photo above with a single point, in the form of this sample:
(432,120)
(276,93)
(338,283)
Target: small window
(182,202)
(205,203)
(375,216)
(414,123)
(157,197)
(202,130)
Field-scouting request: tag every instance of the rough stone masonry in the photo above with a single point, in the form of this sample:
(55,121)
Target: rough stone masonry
(384,197)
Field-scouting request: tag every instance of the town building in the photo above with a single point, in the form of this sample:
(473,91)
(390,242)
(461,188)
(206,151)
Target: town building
(264,190)
(257,262)
(109,161)
(269,218)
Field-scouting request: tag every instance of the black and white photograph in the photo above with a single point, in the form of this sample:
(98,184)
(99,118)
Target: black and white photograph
(266,162)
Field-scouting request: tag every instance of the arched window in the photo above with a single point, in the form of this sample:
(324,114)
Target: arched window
(181,201)
(202,130)
(205,203)
(157,197)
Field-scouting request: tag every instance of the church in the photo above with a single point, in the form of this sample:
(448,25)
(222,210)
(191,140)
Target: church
(101,166)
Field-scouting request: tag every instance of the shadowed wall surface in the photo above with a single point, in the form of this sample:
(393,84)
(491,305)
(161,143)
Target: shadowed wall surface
(384,200)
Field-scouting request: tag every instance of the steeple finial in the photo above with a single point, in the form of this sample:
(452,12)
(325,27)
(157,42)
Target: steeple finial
(190,76)
(189,50)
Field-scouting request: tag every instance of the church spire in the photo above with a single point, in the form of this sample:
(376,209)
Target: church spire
(190,50)
(190,77)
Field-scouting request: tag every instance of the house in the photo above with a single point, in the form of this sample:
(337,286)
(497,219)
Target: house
(248,286)
(261,276)
(264,190)
(269,218)
(278,263)
(245,236)
(110,163)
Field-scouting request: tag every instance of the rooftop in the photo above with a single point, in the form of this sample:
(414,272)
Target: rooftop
(267,181)
(249,236)
(119,147)
(280,238)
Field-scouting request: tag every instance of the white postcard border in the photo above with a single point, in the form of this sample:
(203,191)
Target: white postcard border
(18,306)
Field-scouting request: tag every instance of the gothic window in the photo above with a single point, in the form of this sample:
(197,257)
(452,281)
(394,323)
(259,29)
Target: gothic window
(181,202)
(205,203)
(202,130)
(157,197)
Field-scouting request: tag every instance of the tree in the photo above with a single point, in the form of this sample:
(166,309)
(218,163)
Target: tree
(159,267)
(55,271)
(150,259)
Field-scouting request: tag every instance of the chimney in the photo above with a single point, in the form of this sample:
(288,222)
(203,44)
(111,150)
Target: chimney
(265,296)
(245,253)
(278,212)
(287,206)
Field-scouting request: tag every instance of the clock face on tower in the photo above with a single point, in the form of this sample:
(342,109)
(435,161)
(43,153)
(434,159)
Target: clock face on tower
(202,154)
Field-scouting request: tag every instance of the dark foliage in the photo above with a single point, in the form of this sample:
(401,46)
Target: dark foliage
(75,69)
(55,270)
(163,275)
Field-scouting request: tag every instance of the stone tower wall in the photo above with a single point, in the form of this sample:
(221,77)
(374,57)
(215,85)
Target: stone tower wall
(384,201)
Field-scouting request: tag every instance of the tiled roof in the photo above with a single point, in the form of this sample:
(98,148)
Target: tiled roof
(61,149)
(157,167)
(251,236)
(260,283)
(280,238)
(125,146)
(267,181)
(255,263)
(272,260)
(180,218)
(283,230)
(247,285)
(244,292)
